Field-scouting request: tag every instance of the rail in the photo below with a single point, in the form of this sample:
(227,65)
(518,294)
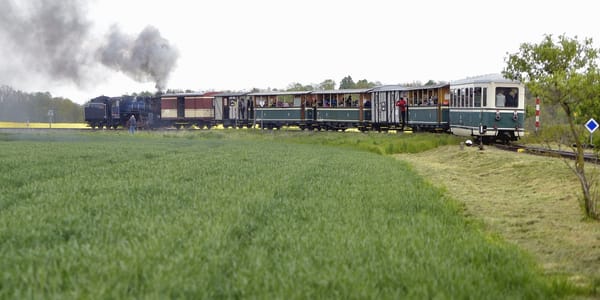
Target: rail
(588,157)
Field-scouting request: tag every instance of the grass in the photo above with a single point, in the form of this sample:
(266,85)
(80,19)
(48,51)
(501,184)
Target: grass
(530,201)
(234,215)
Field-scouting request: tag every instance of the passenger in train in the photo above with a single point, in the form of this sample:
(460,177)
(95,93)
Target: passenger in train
(402,107)
(500,98)
(511,98)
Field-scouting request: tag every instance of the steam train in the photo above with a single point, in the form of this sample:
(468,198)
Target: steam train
(487,107)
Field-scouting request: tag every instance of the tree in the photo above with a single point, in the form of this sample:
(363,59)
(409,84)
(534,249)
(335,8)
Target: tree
(18,106)
(173,91)
(347,83)
(564,72)
(364,84)
(327,84)
(299,87)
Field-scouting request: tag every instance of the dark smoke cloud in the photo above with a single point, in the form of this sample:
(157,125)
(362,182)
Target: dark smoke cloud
(52,38)
(48,36)
(146,57)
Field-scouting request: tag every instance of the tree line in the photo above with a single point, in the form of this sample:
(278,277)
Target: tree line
(18,106)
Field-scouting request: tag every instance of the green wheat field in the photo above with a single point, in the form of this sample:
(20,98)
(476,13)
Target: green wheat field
(241,214)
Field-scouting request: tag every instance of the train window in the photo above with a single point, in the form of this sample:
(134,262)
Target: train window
(454,97)
(462,97)
(484,93)
(477,95)
(507,97)
(512,98)
(470,98)
(500,97)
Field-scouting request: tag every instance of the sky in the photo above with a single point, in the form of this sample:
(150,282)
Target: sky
(238,45)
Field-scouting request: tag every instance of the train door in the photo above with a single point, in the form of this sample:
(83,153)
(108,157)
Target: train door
(115,113)
(180,107)
(241,110)
(226,110)
(218,103)
(240,104)
(379,108)
(250,109)
(301,102)
(235,107)
(479,102)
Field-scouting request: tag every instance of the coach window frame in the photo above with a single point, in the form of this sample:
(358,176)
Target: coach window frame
(477,96)
(484,93)
(470,97)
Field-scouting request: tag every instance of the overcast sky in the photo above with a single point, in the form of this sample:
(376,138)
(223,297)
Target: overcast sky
(241,44)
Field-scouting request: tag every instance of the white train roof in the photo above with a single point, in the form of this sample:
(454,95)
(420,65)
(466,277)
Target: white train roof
(488,78)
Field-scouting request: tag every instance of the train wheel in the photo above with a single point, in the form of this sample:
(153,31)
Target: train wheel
(505,138)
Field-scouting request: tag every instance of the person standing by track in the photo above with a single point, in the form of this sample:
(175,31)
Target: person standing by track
(132,124)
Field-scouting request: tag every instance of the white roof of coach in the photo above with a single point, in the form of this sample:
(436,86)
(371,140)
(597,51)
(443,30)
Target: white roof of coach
(342,91)
(488,78)
(279,93)
(385,88)
(395,87)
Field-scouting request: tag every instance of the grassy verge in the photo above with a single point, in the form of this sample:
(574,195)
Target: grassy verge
(211,215)
(530,201)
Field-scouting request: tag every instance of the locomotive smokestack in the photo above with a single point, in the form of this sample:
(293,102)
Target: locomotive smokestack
(51,38)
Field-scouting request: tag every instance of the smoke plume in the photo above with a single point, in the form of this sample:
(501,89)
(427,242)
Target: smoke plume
(52,39)
(147,57)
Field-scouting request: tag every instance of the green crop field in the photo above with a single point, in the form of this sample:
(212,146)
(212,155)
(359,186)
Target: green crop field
(241,215)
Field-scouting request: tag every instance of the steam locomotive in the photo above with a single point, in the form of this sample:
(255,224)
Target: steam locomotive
(487,107)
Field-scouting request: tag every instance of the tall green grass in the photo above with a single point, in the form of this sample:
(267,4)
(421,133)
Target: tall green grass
(217,215)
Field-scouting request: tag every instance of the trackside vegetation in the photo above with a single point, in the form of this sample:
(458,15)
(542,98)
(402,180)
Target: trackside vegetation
(230,215)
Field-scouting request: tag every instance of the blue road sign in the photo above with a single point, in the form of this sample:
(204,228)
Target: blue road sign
(591,125)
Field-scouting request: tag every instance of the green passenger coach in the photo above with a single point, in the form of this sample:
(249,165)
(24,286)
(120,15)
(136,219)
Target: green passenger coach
(487,107)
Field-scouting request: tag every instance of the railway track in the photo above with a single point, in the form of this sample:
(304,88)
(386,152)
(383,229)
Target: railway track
(588,157)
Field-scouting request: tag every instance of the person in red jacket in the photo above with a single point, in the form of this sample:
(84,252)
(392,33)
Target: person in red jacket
(402,107)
